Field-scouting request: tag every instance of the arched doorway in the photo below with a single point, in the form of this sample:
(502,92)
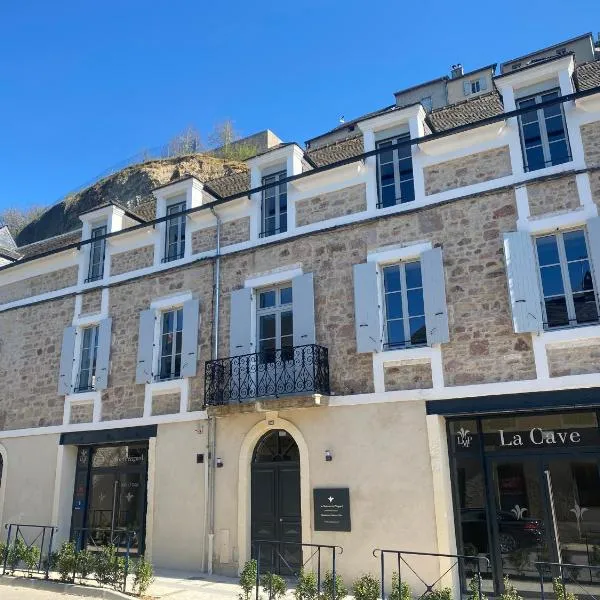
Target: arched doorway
(275,503)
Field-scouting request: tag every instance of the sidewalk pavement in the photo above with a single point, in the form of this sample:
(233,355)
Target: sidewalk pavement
(180,585)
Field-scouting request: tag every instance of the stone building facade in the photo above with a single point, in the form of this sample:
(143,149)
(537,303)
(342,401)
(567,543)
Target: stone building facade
(406,311)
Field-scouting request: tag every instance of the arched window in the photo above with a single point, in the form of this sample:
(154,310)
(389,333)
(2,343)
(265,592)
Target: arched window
(276,446)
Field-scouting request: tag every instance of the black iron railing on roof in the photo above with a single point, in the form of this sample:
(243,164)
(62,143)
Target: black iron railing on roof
(271,373)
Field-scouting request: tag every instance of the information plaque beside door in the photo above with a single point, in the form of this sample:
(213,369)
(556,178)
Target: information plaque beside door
(332,509)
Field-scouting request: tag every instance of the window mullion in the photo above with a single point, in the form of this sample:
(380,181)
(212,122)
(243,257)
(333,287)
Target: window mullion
(543,133)
(564,270)
(396,158)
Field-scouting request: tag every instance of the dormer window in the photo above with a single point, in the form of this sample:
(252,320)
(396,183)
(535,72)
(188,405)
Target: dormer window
(543,132)
(474,86)
(97,251)
(274,204)
(175,232)
(395,172)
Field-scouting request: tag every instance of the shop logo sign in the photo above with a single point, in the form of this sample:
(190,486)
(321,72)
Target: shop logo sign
(464,437)
(539,437)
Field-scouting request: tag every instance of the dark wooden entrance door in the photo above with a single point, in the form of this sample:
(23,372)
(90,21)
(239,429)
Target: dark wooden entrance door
(275,503)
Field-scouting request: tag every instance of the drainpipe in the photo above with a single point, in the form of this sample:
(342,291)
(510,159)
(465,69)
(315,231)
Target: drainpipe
(212,423)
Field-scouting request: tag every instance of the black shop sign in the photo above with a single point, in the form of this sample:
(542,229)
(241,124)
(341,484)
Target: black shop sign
(332,509)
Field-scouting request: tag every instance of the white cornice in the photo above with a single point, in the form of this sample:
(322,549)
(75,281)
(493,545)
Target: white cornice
(392,118)
(535,74)
(273,157)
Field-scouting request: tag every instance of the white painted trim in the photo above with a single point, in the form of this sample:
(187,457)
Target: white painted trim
(460,145)
(3,480)
(398,253)
(162,388)
(272,277)
(133,422)
(557,221)
(271,421)
(540,357)
(94,398)
(150,500)
(172,301)
(64,484)
(535,74)
(571,335)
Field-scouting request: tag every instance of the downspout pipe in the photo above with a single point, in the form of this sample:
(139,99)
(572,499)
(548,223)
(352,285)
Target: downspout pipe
(212,423)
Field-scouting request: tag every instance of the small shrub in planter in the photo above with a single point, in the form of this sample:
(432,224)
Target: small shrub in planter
(85,563)
(329,586)
(248,580)
(366,588)
(274,585)
(31,557)
(16,554)
(3,551)
(109,567)
(66,561)
(510,591)
(474,589)
(399,591)
(560,592)
(439,594)
(307,587)
(143,575)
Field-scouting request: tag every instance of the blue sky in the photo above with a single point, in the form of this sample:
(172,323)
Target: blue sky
(86,84)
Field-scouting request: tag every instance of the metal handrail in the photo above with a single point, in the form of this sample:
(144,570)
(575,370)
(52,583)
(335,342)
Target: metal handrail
(560,566)
(335,549)
(45,531)
(269,373)
(428,587)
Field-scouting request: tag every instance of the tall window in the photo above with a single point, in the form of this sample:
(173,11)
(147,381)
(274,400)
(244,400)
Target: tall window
(543,133)
(275,322)
(395,173)
(404,311)
(97,249)
(566,278)
(175,232)
(274,205)
(86,380)
(170,344)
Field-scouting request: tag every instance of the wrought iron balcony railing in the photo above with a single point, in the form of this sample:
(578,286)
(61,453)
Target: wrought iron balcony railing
(270,373)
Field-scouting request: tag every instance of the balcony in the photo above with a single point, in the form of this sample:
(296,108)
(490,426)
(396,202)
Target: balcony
(293,371)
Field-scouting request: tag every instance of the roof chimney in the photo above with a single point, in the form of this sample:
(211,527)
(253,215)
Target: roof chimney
(456,71)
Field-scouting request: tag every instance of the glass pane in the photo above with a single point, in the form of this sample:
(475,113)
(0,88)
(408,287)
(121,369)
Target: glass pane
(267,326)
(387,174)
(418,333)
(559,152)
(556,312)
(407,191)
(393,305)
(267,299)
(283,203)
(267,344)
(165,367)
(286,323)
(102,490)
(396,333)
(270,226)
(575,246)
(552,282)
(391,278)
(532,135)
(179,319)
(287,341)
(580,276)
(270,207)
(388,196)
(535,158)
(167,321)
(413,274)
(547,250)
(286,295)
(415,302)
(586,310)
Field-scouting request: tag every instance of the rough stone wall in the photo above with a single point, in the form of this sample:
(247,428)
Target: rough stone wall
(30,346)
(590,136)
(347,201)
(232,232)
(554,195)
(578,359)
(81,413)
(131,260)
(40,284)
(595,186)
(165,404)
(467,170)
(124,398)
(410,376)
(91,302)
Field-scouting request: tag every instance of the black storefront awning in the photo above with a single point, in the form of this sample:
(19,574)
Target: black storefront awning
(527,401)
(108,436)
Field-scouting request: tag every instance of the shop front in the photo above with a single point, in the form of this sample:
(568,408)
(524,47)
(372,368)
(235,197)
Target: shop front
(526,490)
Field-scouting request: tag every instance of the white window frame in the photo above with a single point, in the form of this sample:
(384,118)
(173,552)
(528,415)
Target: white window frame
(99,229)
(396,165)
(564,271)
(541,120)
(158,333)
(404,298)
(274,178)
(77,389)
(276,310)
(181,229)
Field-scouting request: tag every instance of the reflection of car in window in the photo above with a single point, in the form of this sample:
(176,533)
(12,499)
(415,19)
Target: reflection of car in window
(513,533)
